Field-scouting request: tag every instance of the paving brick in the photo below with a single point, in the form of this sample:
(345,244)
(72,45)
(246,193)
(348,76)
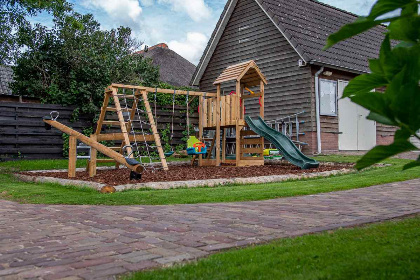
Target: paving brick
(94,242)
(93,262)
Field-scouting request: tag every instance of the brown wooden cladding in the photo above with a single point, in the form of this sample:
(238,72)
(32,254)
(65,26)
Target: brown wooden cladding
(23,134)
(250,35)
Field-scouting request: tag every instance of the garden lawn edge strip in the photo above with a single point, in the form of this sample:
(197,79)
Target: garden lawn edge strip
(186,184)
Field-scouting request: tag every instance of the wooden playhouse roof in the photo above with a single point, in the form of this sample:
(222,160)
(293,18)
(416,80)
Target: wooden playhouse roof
(246,72)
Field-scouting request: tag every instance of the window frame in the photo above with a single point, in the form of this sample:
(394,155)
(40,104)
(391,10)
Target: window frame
(335,114)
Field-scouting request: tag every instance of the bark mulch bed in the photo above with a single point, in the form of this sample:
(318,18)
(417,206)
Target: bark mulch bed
(115,177)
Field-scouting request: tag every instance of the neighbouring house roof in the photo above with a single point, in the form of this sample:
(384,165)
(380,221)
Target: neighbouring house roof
(173,68)
(247,71)
(306,24)
(6,77)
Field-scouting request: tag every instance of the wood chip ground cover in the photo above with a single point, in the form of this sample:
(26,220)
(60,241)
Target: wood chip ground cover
(186,172)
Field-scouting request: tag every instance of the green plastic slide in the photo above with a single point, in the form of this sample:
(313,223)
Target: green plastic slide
(282,143)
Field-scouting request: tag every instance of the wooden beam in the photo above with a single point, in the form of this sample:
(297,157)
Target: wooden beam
(218,125)
(252,158)
(166,91)
(122,123)
(251,141)
(246,162)
(102,114)
(262,108)
(224,145)
(200,126)
(93,156)
(154,130)
(238,142)
(114,123)
(72,157)
(252,151)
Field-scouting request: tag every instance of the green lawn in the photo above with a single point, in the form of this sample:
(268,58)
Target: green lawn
(13,189)
(49,164)
(389,250)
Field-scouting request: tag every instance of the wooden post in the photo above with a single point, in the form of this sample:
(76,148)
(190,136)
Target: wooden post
(224,145)
(154,130)
(93,156)
(238,128)
(238,94)
(72,157)
(200,126)
(262,99)
(132,116)
(242,102)
(218,126)
(103,112)
(122,122)
(238,143)
(262,111)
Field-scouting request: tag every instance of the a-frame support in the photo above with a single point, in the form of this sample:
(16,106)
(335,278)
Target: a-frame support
(154,130)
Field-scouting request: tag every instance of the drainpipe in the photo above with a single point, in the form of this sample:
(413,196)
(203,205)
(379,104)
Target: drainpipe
(318,121)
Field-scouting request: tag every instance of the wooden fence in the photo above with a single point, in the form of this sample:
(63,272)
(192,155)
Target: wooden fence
(23,134)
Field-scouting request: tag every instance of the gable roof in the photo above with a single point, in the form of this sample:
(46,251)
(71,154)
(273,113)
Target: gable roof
(247,71)
(306,24)
(173,68)
(6,77)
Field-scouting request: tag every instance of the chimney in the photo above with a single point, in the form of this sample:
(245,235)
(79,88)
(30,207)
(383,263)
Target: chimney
(146,49)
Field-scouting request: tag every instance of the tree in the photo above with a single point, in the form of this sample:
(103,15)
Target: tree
(397,69)
(72,63)
(13,16)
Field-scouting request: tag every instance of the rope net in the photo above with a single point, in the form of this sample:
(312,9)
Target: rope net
(139,124)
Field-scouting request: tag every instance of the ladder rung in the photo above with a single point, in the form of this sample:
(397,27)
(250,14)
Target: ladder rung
(83,157)
(112,123)
(111,109)
(115,148)
(127,96)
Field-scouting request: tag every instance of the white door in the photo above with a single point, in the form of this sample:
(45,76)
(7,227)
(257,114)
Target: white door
(356,132)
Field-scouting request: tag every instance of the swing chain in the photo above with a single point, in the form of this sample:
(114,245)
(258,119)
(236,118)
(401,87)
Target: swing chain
(155,107)
(173,113)
(188,115)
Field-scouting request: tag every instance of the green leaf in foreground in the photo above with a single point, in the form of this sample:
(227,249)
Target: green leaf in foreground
(412,164)
(382,7)
(360,25)
(364,83)
(380,153)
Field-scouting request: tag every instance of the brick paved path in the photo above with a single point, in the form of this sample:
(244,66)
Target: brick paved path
(54,242)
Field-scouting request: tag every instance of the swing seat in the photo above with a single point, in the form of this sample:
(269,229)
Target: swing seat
(168,154)
(195,146)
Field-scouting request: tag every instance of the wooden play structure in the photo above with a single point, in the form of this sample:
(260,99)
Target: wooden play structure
(228,111)
(140,136)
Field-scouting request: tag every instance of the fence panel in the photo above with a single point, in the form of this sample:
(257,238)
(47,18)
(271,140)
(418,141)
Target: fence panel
(23,134)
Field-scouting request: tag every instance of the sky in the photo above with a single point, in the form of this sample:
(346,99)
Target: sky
(185,25)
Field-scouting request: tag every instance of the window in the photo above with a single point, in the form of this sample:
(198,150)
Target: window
(328,97)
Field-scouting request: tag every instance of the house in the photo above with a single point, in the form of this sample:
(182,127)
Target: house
(285,38)
(6,94)
(174,69)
